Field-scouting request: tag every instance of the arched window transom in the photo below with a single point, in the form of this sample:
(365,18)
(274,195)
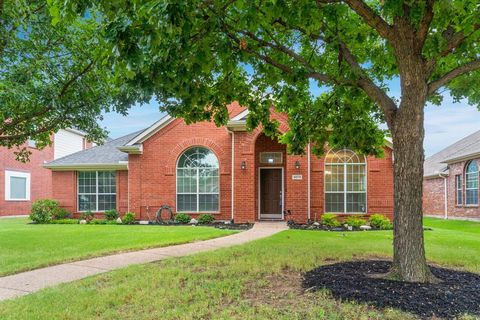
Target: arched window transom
(345,182)
(471,183)
(197,181)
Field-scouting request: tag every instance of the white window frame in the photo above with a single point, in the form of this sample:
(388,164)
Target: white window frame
(96,194)
(458,189)
(275,154)
(198,193)
(345,192)
(475,176)
(18,174)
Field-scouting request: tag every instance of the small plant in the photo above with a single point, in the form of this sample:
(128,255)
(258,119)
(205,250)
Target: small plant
(87,215)
(61,214)
(128,218)
(379,221)
(330,220)
(111,214)
(205,218)
(355,222)
(182,218)
(44,210)
(98,221)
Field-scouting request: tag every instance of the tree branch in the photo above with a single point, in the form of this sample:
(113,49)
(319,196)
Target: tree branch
(449,76)
(371,18)
(425,23)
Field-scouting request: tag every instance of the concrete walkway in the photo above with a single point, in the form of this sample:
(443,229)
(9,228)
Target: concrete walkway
(27,282)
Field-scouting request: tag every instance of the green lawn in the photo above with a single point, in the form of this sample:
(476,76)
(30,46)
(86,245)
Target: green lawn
(259,280)
(26,246)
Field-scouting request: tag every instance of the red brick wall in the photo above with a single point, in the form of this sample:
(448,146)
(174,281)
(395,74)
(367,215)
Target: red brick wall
(433,195)
(40,178)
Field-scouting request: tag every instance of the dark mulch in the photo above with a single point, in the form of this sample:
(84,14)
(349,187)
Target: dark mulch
(457,294)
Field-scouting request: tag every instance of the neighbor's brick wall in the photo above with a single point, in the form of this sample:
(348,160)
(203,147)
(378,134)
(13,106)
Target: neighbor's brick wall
(40,178)
(433,195)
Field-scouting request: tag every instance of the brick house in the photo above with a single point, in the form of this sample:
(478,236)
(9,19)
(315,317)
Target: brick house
(23,183)
(450,186)
(227,171)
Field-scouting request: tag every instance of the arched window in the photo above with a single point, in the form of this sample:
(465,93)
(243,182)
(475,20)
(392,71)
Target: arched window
(345,182)
(471,183)
(197,181)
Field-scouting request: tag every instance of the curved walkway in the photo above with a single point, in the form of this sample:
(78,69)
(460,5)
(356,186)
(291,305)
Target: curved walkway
(27,282)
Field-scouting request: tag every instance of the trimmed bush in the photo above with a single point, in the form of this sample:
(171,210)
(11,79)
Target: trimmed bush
(330,220)
(44,210)
(379,221)
(87,215)
(205,218)
(355,222)
(182,218)
(111,214)
(64,221)
(128,218)
(61,214)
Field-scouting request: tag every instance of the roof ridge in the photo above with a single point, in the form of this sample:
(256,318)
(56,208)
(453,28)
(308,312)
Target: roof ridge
(456,143)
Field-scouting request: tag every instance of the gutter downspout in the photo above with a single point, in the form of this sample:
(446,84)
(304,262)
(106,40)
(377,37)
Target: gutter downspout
(308,182)
(445,194)
(233,175)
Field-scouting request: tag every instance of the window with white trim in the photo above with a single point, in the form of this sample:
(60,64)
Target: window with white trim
(471,183)
(345,182)
(458,189)
(271,158)
(17,185)
(197,181)
(97,190)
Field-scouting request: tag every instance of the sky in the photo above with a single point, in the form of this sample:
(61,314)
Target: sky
(444,124)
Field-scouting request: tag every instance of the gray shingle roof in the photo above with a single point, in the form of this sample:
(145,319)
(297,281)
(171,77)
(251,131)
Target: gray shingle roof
(105,154)
(468,146)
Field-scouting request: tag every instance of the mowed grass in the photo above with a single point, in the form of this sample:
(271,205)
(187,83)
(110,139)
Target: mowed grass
(25,246)
(258,280)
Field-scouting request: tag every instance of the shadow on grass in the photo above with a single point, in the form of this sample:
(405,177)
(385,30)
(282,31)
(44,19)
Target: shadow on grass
(457,294)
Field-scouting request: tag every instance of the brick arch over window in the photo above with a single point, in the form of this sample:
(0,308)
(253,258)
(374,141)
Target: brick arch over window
(178,150)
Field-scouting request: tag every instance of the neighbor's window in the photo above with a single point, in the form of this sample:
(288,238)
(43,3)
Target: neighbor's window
(96,190)
(458,189)
(345,182)
(17,186)
(197,181)
(471,183)
(32,143)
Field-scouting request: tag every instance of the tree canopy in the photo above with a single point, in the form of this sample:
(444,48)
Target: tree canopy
(53,75)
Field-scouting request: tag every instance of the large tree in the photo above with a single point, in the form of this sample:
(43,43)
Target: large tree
(52,75)
(196,56)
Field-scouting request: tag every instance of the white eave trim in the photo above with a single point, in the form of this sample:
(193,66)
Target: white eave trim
(237,125)
(76,131)
(121,165)
(462,158)
(147,133)
(240,116)
(135,149)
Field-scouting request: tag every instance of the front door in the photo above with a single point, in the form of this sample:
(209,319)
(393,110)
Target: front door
(271,185)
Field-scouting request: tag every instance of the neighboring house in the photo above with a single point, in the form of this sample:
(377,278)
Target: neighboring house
(450,187)
(23,183)
(227,171)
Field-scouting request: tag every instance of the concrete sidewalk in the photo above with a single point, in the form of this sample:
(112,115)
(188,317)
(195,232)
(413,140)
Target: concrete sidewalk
(27,282)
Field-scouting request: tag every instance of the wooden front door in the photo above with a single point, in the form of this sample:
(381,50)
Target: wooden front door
(271,193)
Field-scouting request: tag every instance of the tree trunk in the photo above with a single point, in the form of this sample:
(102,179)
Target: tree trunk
(409,262)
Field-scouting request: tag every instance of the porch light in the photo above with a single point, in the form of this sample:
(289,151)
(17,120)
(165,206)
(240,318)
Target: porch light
(297,164)
(243,165)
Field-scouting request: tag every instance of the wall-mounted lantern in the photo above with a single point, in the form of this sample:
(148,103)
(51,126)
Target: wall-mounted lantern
(297,164)
(243,165)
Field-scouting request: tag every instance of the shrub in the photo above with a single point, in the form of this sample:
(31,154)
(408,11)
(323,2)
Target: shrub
(64,221)
(355,222)
(205,219)
(128,218)
(44,210)
(183,218)
(61,214)
(111,214)
(98,221)
(87,215)
(379,221)
(330,220)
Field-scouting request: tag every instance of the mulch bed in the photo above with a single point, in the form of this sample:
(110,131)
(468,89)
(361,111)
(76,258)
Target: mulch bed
(457,294)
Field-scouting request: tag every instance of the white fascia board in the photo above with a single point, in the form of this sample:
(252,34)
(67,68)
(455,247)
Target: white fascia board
(147,133)
(240,116)
(135,149)
(122,165)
